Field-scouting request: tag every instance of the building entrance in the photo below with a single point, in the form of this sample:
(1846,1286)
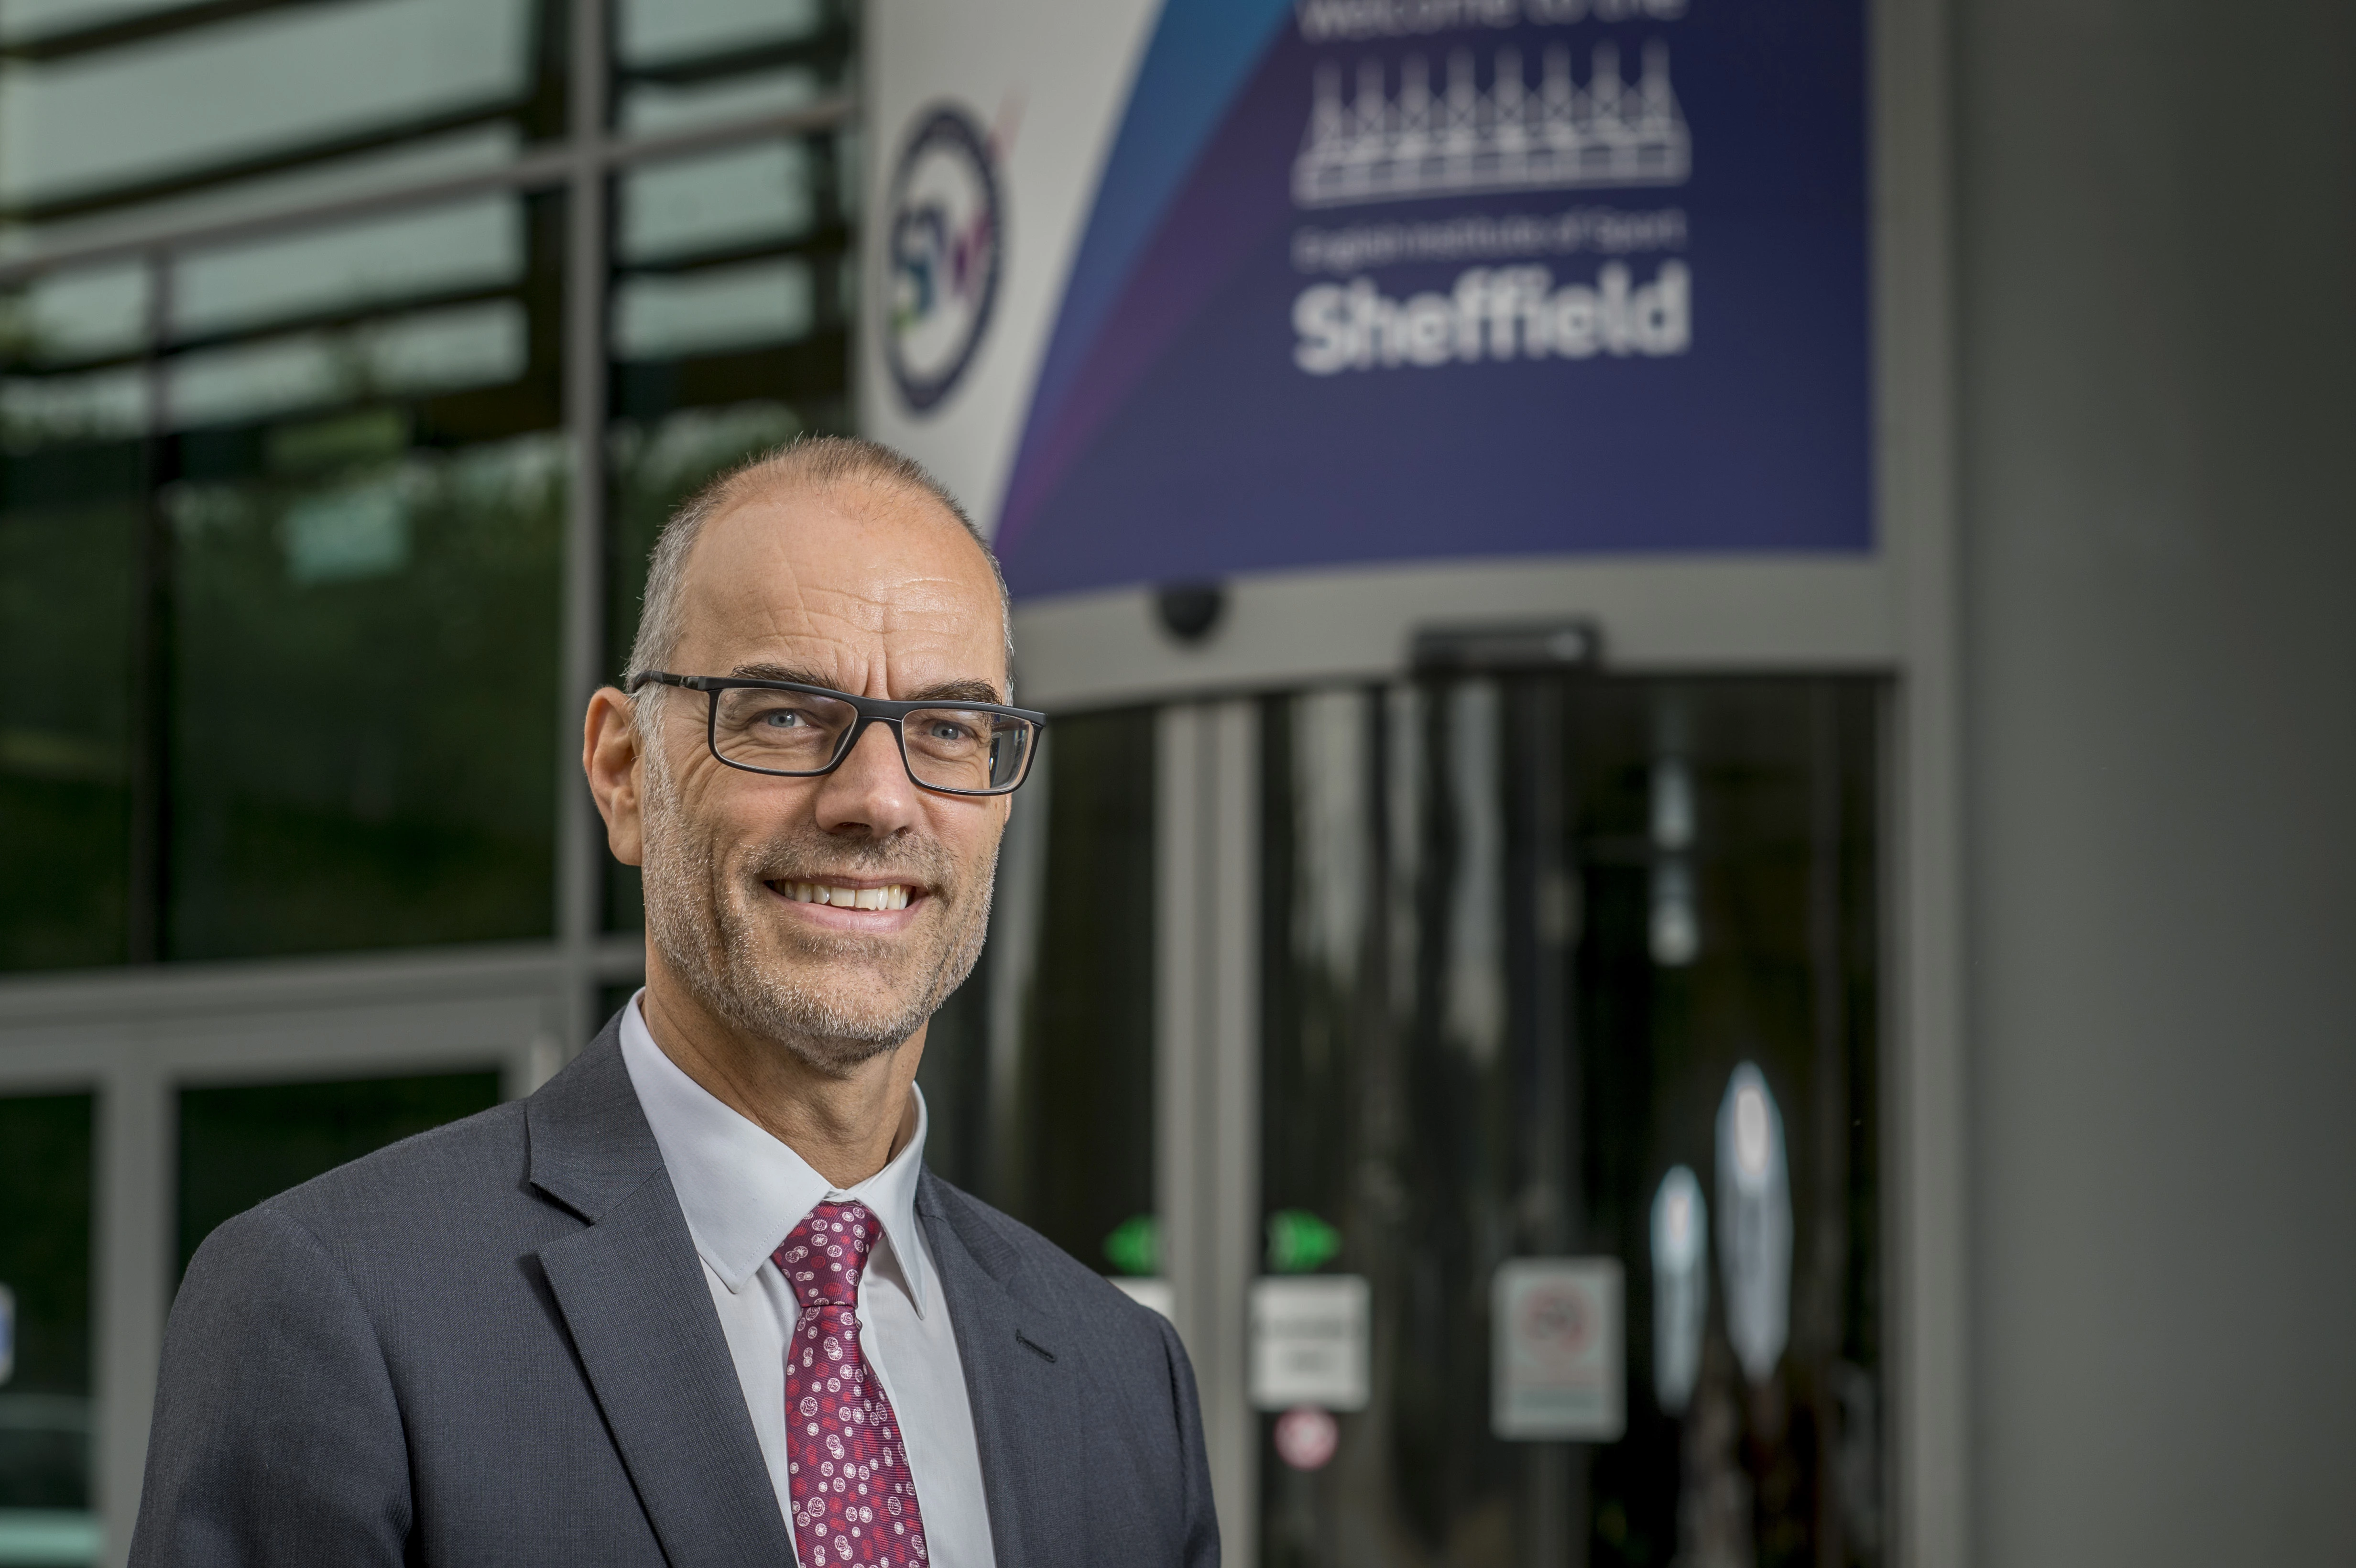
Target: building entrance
(1516,1120)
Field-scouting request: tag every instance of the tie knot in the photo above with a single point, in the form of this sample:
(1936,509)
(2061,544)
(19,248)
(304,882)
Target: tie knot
(823,1257)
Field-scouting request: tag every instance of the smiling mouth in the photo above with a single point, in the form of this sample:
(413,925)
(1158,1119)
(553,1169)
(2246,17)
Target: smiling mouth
(894,896)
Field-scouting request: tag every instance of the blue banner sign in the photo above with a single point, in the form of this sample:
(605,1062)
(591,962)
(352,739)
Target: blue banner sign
(1379,279)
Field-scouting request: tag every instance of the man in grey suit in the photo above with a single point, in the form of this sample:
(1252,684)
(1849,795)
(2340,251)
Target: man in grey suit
(698,1301)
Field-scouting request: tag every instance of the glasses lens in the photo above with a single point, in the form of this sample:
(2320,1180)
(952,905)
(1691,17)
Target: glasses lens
(960,749)
(779,732)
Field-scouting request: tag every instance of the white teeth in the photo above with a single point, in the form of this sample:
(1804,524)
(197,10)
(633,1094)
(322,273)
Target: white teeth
(885,898)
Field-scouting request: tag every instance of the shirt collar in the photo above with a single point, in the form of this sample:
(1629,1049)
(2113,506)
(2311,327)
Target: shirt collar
(742,1191)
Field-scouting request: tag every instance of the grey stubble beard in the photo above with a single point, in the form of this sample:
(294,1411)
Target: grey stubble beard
(697,919)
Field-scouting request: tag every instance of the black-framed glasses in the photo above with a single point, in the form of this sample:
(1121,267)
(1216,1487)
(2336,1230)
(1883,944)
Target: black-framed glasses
(792,730)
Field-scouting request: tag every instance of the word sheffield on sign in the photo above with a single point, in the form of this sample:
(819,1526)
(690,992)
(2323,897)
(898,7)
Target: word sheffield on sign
(1512,313)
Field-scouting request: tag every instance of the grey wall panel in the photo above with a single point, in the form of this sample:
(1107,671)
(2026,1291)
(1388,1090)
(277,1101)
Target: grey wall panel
(2157,207)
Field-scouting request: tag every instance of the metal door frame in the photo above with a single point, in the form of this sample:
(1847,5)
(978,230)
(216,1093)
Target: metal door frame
(1206,1072)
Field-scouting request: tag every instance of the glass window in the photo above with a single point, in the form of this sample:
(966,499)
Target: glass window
(743,197)
(88,313)
(366,518)
(242,1144)
(23,19)
(198,109)
(46,1149)
(364,693)
(714,311)
(682,63)
(282,512)
(287,664)
(463,248)
(73,528)
(652,34)
(1579,969)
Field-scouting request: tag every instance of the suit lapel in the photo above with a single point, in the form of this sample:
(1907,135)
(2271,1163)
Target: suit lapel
(633,1297)
(1025,1403)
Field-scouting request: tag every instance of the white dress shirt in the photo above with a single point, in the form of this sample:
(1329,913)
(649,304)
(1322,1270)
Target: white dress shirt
(742,1193)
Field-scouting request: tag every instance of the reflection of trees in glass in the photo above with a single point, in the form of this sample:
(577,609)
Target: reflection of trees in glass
(69,519)
(68,528)
(46,1148)
(365,690)
(105,403)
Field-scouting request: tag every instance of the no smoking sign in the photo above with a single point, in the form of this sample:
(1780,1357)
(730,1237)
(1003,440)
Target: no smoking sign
(1559,1367)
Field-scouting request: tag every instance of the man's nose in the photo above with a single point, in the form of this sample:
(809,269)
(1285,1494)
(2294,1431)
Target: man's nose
(871,791)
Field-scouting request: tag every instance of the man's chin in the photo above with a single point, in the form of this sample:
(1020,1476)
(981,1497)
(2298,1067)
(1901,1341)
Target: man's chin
(820,955)
(836,1056)
(849,1007)
(860,973)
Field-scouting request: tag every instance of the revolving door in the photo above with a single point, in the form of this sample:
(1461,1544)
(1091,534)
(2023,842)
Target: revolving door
(1562,1243)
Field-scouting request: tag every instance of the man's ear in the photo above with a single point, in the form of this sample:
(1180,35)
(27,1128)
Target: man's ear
(609,756)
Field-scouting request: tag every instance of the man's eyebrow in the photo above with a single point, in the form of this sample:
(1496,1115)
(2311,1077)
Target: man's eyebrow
(943,692)
(957,691)
(780,672)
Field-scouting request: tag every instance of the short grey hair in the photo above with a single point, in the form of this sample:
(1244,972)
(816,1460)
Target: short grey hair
(821,463)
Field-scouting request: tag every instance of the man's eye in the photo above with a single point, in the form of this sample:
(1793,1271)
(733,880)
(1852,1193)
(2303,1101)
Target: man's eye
(783,718)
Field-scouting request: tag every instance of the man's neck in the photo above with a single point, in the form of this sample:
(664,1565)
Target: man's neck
(846,1126)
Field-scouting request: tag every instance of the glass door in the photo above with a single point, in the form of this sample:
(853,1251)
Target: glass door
(47,1172)
(1569,1124)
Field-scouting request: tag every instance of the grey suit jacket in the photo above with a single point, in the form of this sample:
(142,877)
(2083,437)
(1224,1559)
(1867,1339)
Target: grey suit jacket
(493,1344)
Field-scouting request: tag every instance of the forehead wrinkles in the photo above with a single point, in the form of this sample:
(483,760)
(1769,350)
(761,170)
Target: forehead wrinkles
(857,628)
(863,580)
(865,641)
(915,604)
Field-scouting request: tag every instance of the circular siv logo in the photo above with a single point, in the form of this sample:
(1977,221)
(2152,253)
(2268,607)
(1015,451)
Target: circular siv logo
(946,246)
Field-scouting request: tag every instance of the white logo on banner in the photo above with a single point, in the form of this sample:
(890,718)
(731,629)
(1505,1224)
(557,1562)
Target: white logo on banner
(947,249)
(1374,146)
(1503,313)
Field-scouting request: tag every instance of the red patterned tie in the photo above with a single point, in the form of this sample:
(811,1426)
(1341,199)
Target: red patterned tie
(853,1499)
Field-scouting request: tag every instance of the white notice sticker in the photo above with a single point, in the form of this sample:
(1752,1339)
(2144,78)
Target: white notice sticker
(1559,1367)
(1309,1341)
